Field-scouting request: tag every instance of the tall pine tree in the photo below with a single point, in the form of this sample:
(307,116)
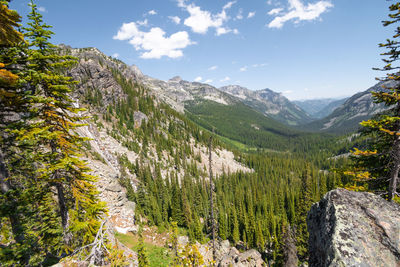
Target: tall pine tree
(377,167)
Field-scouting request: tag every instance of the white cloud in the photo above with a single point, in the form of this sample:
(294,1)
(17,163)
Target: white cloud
(225,79)
(175,19)
(251,14)
(222,30)
(288,92)
(213,68)
(239,16)
(143,22)
(297,11)
(259,65)
(154,43)
(208,81)
(229,5)
(235,31)
(201,20)
(152,12)
(242,69)
(127,31)
(115,55)
(275,11)
(198,79)
(42,9)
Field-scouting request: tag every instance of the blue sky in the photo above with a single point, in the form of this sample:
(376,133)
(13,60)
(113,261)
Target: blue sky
(302,48)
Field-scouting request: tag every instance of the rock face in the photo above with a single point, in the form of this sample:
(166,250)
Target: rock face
(225,254)
(354,229)
(269,103)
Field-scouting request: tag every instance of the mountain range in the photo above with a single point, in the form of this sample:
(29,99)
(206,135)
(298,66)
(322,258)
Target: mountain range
(319,108)
(346,117)
(242,105)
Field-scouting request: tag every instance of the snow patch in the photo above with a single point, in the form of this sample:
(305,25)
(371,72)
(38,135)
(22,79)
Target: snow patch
(216,99)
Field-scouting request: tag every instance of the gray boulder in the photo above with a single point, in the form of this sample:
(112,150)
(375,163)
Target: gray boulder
(354,229)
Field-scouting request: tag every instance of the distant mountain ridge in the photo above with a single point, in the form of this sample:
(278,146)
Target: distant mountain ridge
(346,118)
(269,103)
(319,108)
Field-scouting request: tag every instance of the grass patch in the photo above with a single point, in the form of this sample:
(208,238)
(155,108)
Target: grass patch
(158,256)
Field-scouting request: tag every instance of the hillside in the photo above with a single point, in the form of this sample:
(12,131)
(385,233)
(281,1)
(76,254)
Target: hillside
(346,117)
(103,165)
(269,103)
(142,149)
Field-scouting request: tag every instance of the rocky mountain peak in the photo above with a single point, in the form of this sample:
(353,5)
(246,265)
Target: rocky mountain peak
(136,71)
(175,79)
(270,103)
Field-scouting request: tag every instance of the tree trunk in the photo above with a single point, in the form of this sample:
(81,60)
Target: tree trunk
(63,206)
(394,174)
(5,185)
(62,203)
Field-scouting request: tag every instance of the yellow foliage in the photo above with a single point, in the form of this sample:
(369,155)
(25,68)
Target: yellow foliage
(388,131)
(355,187)
(6,77)
(8,20)
(357,152)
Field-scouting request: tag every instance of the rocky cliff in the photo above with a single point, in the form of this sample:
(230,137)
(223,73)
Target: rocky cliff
(354,229)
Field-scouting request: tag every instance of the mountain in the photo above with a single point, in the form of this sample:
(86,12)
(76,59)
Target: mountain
(176,92)
(319,108)
(153,163)
(269,103)
(346,117)
(132,124)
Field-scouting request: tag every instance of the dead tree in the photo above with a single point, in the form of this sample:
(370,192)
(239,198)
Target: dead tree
(211,198)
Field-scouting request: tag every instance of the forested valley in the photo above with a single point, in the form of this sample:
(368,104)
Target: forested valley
(223,172)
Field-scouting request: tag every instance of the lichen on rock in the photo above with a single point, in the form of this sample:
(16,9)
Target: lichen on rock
(354,229)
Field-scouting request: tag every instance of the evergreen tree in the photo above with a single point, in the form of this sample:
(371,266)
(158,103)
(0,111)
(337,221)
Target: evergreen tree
(305,203)
(9,20)
(380,161)
(14,102)
(57,118)
(142,252)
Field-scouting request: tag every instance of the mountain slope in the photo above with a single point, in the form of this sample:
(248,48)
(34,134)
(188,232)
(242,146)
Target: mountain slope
(152,161)
(176,92)
(133,131)
(269,103)
(241,123)
(346,118)
(319,108)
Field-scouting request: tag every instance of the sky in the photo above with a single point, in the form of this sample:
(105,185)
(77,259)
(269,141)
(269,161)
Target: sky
(304,49)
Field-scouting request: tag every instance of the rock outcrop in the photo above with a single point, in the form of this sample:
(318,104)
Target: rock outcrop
(354,229)
(226,255)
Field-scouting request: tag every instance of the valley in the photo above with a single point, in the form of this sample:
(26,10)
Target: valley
(161,161)
(104,165)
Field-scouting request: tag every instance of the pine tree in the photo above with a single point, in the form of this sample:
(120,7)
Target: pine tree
(380,161)
(14,101)
(305,203)
(52,125)
(173,239)
(9,20)
(235,227)
(142,252)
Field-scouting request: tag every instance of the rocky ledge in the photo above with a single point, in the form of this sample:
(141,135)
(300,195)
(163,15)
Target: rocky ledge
(354,229)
